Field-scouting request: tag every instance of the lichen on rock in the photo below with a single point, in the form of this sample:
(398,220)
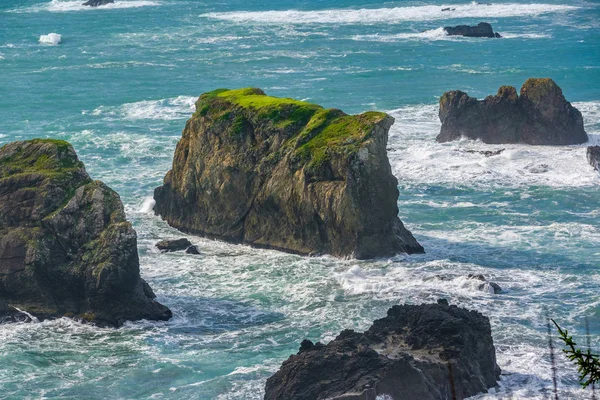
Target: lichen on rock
(285,174)
(540,115)
(65,245)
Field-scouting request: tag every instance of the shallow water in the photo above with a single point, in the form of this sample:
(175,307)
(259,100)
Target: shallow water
(123,81)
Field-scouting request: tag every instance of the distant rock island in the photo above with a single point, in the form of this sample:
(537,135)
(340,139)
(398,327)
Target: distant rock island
(285,174)
(98,3)
(423,352)
(66,248)
(482,29)
(593,156)
(540,115)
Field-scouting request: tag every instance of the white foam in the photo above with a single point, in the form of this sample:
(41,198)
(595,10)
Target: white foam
(433,34)
(389,15)
(414,159)
(70,5)
(166,109)
(51,39)
(147,205)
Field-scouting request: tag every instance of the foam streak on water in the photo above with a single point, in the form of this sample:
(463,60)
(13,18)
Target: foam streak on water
(391,15)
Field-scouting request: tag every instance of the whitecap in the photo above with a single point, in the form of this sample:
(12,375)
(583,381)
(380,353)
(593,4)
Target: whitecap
(174,108)
(51,39)
(70,5)
(389,15)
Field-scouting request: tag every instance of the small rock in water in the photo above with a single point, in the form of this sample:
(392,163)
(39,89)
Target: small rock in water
(487,153)
(192,250)
(166,246)
(486,286)
(593,156)
(483,29)
(98,3)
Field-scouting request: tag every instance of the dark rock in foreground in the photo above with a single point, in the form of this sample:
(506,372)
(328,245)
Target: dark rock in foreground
(415,353)
(98,3)
(540,115)
(483,29)
(177,245)
(593,156)
(285,174)
(66,248)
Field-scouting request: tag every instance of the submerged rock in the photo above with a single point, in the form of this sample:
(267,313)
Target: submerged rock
(66,248)
(540,115)
(423,352)
(177,245)
(483,29)
(593,156)
(285,174)
(98,3)
(486,286)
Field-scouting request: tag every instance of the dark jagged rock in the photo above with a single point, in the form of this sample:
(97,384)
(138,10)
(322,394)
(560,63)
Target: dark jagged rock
(173,245)
(66,248)
(483,29)
(98,3)
(540,115)
(486,285)
(287,175)
(593,156)
(411,355)
(487,153)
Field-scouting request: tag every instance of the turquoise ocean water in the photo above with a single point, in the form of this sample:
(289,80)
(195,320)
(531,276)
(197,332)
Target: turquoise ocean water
(120,87)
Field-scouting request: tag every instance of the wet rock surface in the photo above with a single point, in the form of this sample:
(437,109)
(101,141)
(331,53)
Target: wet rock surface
(66,248)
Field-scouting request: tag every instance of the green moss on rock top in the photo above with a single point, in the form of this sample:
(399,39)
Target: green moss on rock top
(313,130)
(48,157)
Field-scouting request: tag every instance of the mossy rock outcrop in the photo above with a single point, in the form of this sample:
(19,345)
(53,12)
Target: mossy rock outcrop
(285,174)
(66,248)
(540,115)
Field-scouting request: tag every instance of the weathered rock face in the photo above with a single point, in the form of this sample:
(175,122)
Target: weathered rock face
(421,352)
(98,3)
(66,248)
(540,115)
(285,174)
(593,156)
(483,29)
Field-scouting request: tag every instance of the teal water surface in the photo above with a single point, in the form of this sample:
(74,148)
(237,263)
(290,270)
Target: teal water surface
(120,87)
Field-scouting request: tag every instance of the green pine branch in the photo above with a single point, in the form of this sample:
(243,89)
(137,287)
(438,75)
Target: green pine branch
(588,364)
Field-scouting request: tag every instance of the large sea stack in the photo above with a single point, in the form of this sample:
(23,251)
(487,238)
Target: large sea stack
(285,174)
(66,248)
(540,115)
(425,352)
